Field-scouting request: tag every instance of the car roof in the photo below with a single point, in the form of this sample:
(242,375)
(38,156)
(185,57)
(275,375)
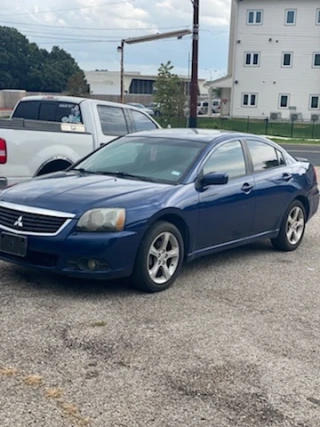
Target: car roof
(204,135)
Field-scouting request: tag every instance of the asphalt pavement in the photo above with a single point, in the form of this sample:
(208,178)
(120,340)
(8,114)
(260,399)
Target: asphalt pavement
(234,343)
(310,152)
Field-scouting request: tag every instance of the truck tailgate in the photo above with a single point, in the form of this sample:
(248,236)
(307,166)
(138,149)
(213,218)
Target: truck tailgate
(28,150)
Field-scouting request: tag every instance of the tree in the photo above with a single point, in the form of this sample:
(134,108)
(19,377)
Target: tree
(23,65)
(77,85)
(217,91)
(169,91)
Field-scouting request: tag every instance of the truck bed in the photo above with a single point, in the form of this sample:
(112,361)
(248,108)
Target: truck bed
(37,125)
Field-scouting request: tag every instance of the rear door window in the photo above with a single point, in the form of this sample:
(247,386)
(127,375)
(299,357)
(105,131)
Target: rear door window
(263,155)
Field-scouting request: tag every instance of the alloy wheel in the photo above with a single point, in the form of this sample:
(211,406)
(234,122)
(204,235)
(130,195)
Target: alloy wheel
(163,258)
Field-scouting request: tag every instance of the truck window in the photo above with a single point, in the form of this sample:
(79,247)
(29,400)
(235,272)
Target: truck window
(48,111)
(142,122)
(27,110)
(68,112)
(112,120)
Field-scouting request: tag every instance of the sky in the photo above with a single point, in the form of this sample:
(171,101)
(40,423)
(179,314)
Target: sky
(91,30)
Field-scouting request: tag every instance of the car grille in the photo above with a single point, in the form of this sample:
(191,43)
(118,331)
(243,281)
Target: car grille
(30,222)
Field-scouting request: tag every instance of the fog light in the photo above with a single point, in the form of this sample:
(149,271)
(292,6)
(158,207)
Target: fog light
(92,265)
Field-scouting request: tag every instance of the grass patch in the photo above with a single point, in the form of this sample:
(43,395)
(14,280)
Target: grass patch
(296,141)
(53,393)
(99,324)
(295,130)
(8,372)
(33,380)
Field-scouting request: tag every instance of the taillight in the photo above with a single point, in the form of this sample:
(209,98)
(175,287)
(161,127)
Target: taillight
(315,173)
(3,151)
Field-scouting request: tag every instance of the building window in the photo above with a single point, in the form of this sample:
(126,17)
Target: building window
(252,59)
(290,17)
(249,100)
(283,101)
(314,102)
(316,59)
(286,59)
(318,17)
(142,87)
(254,17)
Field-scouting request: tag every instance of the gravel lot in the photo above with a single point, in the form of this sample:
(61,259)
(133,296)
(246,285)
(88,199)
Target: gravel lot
(235,342)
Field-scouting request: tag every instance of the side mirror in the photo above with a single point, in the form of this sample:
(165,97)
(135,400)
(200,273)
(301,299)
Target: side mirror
(214,179)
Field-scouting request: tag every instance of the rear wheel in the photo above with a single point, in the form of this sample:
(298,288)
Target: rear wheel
(159,258)
(292,228)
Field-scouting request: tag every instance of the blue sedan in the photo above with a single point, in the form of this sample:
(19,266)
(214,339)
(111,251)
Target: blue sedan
(146,203)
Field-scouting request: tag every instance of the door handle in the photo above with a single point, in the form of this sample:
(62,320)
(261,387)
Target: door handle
(246,188)
(286,176)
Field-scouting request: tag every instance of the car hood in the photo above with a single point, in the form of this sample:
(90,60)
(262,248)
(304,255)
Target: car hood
(75,193)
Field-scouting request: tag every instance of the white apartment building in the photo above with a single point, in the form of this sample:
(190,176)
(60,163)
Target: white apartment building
(274,60)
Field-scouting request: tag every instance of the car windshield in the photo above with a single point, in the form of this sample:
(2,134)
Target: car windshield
(151,159)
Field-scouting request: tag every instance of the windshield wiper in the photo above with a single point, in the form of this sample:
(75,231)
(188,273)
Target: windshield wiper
(82,170)
(120,174)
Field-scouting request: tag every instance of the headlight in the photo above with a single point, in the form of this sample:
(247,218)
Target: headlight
(102,220)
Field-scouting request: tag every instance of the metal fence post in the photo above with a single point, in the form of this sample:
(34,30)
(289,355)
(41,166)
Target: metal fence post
(267,125)
(248,123)
(313,126)
(292,128)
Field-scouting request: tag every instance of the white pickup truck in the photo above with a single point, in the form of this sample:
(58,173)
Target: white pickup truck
(49,133)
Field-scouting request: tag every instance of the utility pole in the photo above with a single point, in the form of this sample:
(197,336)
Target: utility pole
(122,72)
(194,69)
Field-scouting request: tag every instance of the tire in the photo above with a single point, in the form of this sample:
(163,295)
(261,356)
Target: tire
(296,216)
(145,261)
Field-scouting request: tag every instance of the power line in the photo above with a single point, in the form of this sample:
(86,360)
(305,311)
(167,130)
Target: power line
(35,34)
(68,9)
(102,41)
(61,27)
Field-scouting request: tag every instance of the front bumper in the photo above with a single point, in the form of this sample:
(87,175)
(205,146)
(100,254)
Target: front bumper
(68,254)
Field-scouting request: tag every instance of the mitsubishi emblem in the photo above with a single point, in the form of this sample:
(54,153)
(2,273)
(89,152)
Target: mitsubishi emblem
(19,222)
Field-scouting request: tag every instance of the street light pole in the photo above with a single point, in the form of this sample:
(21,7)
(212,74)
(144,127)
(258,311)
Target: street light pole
(194,69)
(151,37)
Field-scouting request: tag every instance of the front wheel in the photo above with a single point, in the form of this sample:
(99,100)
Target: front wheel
(292,228)
(159,258)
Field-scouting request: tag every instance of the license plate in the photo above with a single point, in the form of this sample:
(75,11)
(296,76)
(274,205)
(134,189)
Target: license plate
(13,244)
